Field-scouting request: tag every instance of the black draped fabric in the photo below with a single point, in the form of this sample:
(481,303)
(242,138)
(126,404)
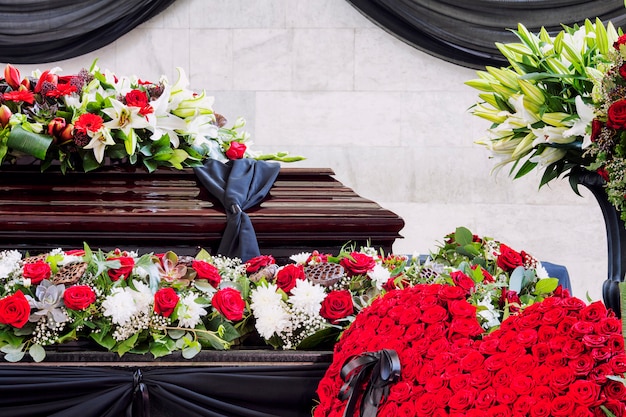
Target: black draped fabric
(464,32)
(37,31)
(239,185)
(256,391)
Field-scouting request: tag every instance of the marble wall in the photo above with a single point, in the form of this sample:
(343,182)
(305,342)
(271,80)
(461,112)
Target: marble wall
(316,78)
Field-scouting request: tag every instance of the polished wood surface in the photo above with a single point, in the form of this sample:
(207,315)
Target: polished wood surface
(306,209)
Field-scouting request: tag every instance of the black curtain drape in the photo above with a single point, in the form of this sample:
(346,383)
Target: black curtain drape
(464,32)
(235,391)
(37,31)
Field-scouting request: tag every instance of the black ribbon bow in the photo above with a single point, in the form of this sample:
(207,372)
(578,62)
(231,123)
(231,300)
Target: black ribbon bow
(141,398)
(239,185)
(382,368)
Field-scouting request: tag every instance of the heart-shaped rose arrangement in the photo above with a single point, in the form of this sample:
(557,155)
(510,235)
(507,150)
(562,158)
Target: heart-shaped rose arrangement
(552,359)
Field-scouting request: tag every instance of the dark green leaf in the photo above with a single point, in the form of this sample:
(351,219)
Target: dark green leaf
(30,143)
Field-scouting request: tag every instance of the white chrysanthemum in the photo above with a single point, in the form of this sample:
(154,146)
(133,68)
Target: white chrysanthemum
(120,306)
(273,320)
(70,259)
(379,275)
(489,314)
(9,262)
(541,271)
(300,258)
(264,297)
(190,312)
(143,297)
(307,297)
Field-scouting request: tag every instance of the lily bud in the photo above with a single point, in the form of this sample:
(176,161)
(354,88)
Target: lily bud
(12,76)
(5,115)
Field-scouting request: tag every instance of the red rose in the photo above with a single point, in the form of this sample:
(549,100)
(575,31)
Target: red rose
(207,271)
(509,259)
(236,150)
(37,272)
(229,303)
(337,305)
(286,277)
(357,263)
(136,98)
(616,115)
(594,312)
(596,128)
(619,42)
(585,393)
(462,280)
(79,297)
(254,264)
(165,301)
(126,268)
(14,310)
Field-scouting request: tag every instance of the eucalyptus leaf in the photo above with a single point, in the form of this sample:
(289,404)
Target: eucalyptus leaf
(37,352)
(176,333)
(14,356)
(192,350)
(516,279)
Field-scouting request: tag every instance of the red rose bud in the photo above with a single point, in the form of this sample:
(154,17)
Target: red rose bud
(5,115)
(12,76)
(619,42)
(596,128)
(236,150)
(603,173)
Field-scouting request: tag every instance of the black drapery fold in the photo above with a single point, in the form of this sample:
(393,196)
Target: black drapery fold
(256,391)
(37,31)
(239,185)
(465,32)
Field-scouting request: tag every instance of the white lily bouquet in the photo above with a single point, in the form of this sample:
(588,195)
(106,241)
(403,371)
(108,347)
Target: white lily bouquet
(542,105)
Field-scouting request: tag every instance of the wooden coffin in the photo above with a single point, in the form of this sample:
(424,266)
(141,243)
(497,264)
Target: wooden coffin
(307,209)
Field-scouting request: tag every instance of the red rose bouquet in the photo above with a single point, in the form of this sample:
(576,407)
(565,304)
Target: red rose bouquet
(558,357)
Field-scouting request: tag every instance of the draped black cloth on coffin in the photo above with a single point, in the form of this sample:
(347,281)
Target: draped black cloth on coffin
(37,31)
(263,391)
(464,32)
(239,185)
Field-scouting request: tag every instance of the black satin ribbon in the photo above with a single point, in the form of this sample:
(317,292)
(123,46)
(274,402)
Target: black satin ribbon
(382,368)
(141,398)
(239,185)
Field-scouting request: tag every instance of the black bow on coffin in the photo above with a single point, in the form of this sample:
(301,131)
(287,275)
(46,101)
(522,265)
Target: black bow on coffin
(382,368)
(239,185)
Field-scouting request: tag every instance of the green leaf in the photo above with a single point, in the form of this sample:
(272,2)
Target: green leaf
(103,339)
(463,236)
(228,331)
(546,285)
(326,335)
(30,143)
(192,350)
(516,279)
(37,352)
(175,333)
(159,349)
(14,356)
(127,344)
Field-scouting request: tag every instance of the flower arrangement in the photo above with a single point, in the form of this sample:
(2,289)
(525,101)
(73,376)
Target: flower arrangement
(608,127)
(558,357)
(541,107)
(161,303)
(84,120)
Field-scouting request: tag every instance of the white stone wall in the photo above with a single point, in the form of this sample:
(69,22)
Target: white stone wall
(316,78)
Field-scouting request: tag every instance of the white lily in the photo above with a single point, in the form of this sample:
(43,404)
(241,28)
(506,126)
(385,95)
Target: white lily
(126,119)
(548,156)
(98,143)
(551,134)
(585,117)
(162,122)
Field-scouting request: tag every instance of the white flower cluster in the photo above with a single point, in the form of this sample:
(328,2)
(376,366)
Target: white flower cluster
(129,308)
(291,320)
(190,312)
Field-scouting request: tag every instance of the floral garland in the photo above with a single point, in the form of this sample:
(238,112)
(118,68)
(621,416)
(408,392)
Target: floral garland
(161,303)
(85,120)
(558,357)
